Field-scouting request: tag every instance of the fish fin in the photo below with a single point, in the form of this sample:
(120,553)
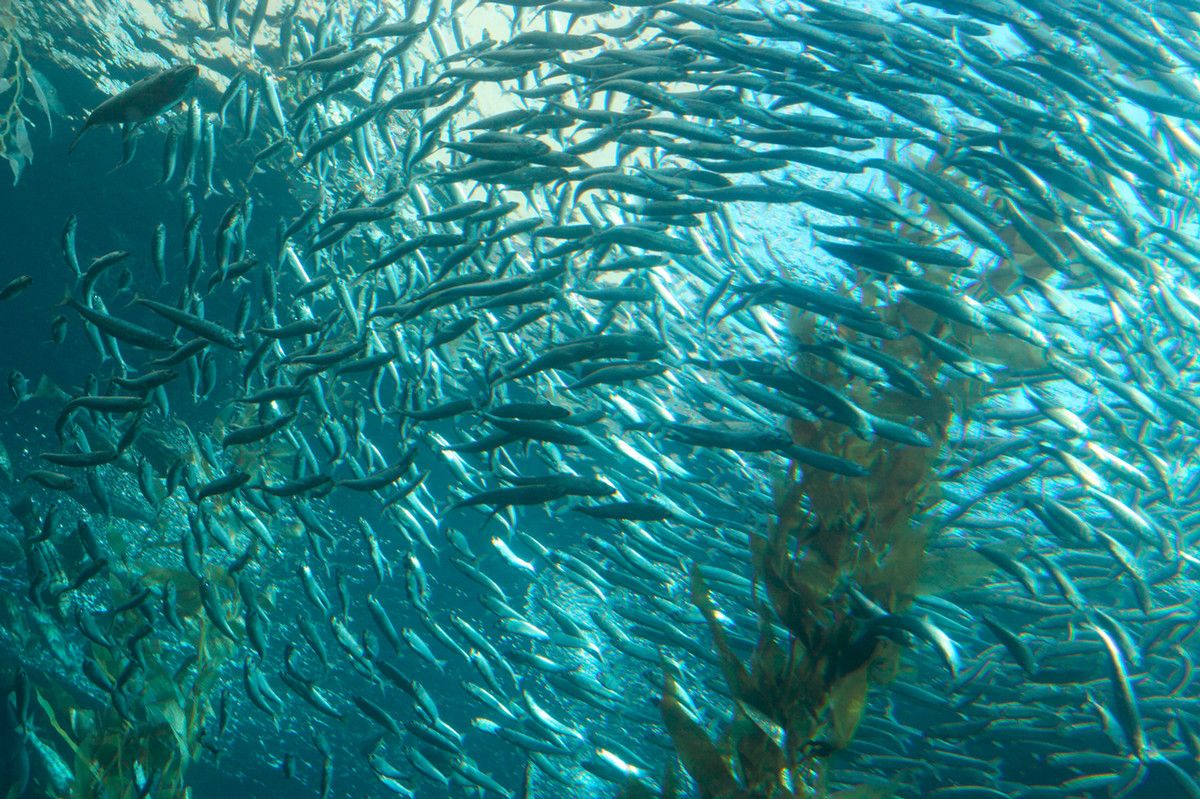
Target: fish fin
(489,517)
(78,136)
(46,389)
(67,298)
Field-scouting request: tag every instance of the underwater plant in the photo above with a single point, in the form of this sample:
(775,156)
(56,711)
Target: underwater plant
(152,724)
(19,86)
(845,556)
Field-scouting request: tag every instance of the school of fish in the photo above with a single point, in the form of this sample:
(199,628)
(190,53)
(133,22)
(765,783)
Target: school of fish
(525,319)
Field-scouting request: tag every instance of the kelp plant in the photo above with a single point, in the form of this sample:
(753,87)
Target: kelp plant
(156,696)
(18,82)
(845,556)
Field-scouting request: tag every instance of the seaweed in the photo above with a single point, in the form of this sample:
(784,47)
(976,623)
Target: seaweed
(116,756)
(18,82)
(144,734)
(836,541)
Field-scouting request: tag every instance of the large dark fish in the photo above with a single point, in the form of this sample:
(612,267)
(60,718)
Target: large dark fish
(144,100)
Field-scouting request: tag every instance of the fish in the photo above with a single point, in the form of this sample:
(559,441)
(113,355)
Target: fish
(201,327)
(15,286)
(619,364)
(122,329)
(142,101)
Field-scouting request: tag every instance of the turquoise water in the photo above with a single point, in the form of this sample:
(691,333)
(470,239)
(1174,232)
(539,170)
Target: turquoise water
(373,396)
